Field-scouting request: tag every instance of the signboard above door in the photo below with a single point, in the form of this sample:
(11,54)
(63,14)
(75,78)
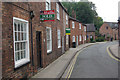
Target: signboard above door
(48,15)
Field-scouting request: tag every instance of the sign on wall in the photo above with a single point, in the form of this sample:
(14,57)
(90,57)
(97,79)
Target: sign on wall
(48,15)
(67,31)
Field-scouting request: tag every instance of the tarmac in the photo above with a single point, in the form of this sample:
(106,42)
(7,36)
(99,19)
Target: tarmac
(57,68)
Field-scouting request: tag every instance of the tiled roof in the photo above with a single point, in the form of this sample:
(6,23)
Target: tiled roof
(112,24)
(90,27)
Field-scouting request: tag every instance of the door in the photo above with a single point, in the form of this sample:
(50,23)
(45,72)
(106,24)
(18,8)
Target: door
(38,46)
(77,41)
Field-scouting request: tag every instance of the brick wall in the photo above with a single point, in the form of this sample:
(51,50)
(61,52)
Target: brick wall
(65,26)
(21,10)
(111,32)
(105,31)
(115,34)
(75,31)
(84,33)
(11,10)
(90,34)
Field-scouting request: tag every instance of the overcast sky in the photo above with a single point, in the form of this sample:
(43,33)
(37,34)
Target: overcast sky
(107,9)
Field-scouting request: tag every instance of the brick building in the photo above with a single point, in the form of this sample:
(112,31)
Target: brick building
(90,32)
(109,30)
(78,32)
(48,39)
(84,34)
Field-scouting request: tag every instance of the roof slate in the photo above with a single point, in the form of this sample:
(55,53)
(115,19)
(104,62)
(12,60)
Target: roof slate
(112,24)
(90,27)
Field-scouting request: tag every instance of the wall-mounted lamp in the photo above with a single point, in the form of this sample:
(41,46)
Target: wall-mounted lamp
(32,15)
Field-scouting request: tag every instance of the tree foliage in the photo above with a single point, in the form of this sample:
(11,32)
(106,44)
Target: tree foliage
(85,12)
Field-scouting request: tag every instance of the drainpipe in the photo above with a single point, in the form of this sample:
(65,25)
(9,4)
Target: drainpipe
(31,17)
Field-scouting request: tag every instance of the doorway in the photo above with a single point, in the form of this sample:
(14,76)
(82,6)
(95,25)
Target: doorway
(77,41)
(38,46)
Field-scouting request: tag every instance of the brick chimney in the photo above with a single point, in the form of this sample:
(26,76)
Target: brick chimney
(73,14)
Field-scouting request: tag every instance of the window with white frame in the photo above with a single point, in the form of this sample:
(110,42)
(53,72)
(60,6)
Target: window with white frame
(58,12)
(67,19)
(73,24)
(59,38)
(85,37)
(84,28)
(21,41)
(49,39)
(48,5)
(67,39)
(79,26)
(80,38)
(73,40)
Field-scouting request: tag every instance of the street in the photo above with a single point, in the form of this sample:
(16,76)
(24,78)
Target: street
(94,62)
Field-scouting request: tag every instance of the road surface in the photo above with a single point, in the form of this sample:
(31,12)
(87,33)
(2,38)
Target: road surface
(94,62)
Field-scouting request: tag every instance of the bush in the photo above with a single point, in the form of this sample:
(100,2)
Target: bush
(92,41)
(100,39)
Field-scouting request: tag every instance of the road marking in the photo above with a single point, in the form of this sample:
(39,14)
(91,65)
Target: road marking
(72,65)
(110,54)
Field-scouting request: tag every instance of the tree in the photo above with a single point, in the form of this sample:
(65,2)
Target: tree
(85,11)
(98,21)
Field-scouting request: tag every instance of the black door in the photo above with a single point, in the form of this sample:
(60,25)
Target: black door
(38,45)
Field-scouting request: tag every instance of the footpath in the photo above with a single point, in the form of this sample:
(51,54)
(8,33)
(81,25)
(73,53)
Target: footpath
(57,68)
(115,51)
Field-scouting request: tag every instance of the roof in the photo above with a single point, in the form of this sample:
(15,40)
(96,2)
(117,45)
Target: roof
(63,7)
(73,19)
(112,24)
(90,27)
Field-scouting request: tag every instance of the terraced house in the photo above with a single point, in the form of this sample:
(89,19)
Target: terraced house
(30,44)
(78,32)
(90,32)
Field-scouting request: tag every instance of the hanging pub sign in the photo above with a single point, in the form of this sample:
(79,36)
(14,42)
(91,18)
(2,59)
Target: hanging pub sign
(67,31)
(48,15)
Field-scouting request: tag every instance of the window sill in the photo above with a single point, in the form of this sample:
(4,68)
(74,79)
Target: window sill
(21,63)
(49,51)
(58,19)
(59,46)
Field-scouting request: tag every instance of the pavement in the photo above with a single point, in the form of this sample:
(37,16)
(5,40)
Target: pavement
(115,50)
(57,68)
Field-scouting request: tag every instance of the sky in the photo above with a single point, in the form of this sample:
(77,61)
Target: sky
(107,9)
